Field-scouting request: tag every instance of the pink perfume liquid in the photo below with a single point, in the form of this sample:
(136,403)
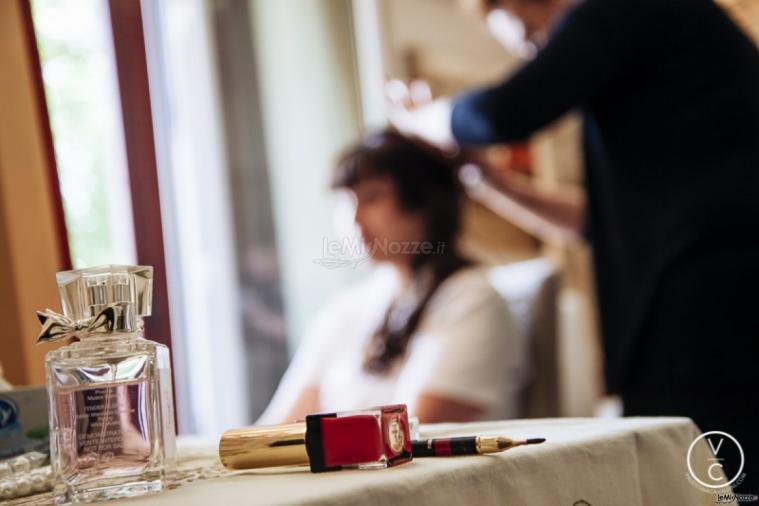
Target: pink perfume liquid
(112,427)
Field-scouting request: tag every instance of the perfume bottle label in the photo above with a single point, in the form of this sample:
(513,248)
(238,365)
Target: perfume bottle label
(106,426)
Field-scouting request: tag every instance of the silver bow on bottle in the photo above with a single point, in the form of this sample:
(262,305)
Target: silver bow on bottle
(56,326)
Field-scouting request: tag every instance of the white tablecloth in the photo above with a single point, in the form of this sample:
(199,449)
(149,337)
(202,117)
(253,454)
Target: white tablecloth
(626,461)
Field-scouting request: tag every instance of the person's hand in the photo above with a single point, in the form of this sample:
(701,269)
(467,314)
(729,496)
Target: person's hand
(507,167)
(413,112)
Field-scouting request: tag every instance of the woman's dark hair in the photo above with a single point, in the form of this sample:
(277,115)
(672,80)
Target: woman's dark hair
(426,182)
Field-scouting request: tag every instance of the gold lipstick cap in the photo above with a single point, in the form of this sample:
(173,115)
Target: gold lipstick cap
(265,446)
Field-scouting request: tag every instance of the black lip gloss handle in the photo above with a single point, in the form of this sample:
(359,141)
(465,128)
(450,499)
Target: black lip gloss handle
(420,448)
(444,447)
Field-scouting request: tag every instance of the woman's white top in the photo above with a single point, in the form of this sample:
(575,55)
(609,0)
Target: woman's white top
(466,348)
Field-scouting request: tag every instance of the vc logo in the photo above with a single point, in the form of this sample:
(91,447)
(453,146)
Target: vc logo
(723,466)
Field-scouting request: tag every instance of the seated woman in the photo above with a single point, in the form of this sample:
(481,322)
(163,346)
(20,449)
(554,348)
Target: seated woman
(426,328)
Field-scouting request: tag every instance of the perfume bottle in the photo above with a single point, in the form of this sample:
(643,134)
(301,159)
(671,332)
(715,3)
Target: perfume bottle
(374,438)
(109,394)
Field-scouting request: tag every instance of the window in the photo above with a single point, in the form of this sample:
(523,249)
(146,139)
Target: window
(76,54)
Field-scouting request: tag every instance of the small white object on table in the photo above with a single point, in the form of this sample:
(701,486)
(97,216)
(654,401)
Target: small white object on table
(596,462)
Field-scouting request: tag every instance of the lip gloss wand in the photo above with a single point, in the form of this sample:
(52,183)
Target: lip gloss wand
(467,445)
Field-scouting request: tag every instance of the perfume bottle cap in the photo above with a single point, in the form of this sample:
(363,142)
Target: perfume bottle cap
(128,289)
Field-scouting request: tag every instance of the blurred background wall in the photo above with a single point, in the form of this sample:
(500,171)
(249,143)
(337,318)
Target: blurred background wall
(32,236)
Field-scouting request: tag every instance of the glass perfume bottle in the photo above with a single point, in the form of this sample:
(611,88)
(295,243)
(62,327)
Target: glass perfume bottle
(109,394)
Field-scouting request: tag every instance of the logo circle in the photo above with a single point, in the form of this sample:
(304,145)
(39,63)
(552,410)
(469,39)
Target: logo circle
(396,436)
(8,412)
(740,451)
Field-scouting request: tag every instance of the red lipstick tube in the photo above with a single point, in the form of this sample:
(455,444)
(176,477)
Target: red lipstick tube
(365,439)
